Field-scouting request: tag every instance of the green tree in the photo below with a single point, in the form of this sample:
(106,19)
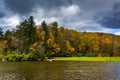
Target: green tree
(46,36)
(7,36)
(26,32)
(1,33)
(55,32)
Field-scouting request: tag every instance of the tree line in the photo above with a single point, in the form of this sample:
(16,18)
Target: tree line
(52,41)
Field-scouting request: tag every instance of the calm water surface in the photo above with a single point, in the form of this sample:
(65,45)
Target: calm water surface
(60,71)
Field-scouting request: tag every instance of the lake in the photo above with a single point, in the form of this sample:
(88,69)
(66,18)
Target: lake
(60,70)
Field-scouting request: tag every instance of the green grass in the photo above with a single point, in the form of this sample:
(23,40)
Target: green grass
(104,59)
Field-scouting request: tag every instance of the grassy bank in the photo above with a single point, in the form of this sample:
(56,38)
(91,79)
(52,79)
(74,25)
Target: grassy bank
(104,59)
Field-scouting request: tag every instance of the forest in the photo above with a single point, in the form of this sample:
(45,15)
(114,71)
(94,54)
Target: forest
(28,42)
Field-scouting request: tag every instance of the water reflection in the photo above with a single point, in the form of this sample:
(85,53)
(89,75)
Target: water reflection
(60,71)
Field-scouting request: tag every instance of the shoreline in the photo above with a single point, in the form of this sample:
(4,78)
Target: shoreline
(84,59)
(94,59)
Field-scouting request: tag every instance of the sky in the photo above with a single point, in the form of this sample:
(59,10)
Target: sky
(80,15)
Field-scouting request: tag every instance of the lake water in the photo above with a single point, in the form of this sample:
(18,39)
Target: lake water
(63,70)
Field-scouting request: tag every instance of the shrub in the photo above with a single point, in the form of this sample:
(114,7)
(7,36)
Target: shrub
(25,57)
(1,56)
(11,57)
(36,53)
(19,57)
(42,56)
(14,57)
(33,57)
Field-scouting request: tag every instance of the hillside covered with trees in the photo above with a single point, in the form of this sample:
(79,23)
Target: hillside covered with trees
(31,42)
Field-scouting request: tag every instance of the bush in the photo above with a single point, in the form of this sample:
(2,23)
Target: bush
(19,57)
(29,57)
(1,56)
(11,57)
(25,57)
(15,57)
(36,53)
(78,54)
(42,56)
(33,57)
(36,56)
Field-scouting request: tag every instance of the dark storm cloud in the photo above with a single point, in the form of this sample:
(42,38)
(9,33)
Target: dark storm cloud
(63,10)
(19,6)
(2,14)
(112,20)
(26,6)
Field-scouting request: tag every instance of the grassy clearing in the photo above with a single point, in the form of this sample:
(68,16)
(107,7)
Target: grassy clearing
(104,59)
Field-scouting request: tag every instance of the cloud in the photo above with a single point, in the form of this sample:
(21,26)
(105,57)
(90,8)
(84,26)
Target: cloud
(24,7)
(112,19)
(2,13)
(80,15)
(13,21)
(70,10)
(9,23)
(19,6)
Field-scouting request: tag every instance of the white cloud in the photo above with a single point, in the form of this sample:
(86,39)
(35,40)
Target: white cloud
(13,21)
(66,19)
(10,22)
(47,19)
(70,10)
(89,26)
(41,15)
(38,12)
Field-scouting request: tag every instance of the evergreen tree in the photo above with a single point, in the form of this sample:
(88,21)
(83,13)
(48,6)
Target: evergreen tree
(26,32)
(1,33)
(46,36)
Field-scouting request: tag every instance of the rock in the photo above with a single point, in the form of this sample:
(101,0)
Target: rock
(4,60)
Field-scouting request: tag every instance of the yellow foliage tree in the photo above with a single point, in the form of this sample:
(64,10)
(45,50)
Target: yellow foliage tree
(3,45)
(69,49)
(54,48)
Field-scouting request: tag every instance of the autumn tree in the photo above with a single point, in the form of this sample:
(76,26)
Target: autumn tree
(11,40)
(51,40)
(106,42)
(83,45)
(3,45)
(69,49)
